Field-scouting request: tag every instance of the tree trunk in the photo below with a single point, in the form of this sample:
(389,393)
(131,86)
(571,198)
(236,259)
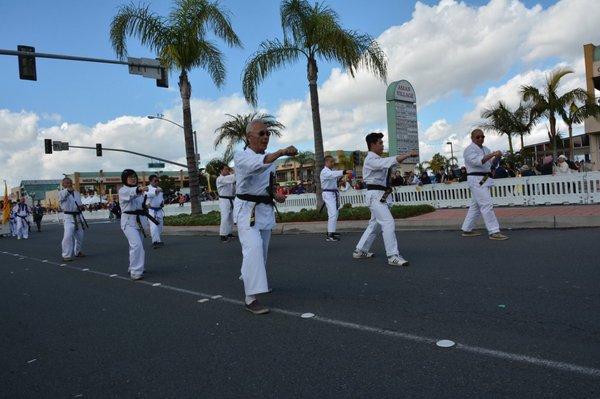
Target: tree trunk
(510,145)
(185,89)
(522,144)
(312,74)
(552,121)
(571,146)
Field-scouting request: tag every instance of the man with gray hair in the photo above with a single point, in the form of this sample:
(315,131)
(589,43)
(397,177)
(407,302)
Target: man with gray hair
(253,208)
(479,160)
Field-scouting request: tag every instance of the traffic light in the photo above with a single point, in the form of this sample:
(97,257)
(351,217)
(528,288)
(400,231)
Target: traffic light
(164,78)
(27,64)
(98,150)
(48,146)
(356,158)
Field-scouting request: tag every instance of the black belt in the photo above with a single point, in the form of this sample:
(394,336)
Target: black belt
(156,209)
(84,223)
(258,199)
(229,197)
(488,174)
(377,187)
(337,197)
(331,190)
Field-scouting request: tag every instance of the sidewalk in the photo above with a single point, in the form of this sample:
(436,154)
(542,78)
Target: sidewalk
(538,217)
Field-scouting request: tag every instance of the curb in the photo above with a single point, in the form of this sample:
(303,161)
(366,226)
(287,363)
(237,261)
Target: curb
(358,226)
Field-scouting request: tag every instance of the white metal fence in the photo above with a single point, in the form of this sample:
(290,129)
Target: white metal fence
(574,188)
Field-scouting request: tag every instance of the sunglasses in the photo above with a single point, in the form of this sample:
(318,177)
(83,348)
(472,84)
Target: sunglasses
(479,137)
(263,133)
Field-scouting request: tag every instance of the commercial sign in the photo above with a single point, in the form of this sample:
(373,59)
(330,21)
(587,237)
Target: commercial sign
(403,134)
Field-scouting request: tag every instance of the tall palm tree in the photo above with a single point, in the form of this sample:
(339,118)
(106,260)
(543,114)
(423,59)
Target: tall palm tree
(312,32)
(500,120)
(576,113)
(233,131)
(524,119)
(549,103)
(422,167)
(180,42)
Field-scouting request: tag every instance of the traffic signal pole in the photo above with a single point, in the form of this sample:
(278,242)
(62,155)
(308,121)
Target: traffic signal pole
(130,152)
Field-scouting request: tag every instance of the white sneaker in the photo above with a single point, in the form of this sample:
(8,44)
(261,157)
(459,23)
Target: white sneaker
(397,260)
(358,254)
(18,238)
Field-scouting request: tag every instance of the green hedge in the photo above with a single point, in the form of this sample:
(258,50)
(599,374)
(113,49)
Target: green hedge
(305,215)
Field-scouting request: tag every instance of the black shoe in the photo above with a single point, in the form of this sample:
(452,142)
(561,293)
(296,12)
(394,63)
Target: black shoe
(225,239)
(231,236)
(161,244)
(331,237)
(154,245)
(256,308)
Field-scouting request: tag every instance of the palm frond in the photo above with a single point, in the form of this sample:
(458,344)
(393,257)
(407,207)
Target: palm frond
(294,14)
(139,22)
(233,131)
(271,55)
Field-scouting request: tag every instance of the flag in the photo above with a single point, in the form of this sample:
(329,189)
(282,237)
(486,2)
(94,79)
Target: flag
(6,207)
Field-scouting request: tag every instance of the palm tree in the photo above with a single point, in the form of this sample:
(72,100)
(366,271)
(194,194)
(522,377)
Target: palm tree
(500,120)
(303,158)
(576,114)
(549,103)
(233,131)
(181,44)
(524,119)
(213,168)
(313,32)
(422,167)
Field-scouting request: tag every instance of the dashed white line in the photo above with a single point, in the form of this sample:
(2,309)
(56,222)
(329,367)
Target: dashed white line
(156,285)
(514,357)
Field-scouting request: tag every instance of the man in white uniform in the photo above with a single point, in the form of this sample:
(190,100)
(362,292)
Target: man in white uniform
(226,191)
(331,195)
(253,209)
(21,211)
(12,221)
(479,160)
(155,204)
(73,221)
(375,175)
(133,221)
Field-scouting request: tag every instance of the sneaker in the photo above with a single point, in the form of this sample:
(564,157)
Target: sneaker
(470,233)
(80,255)
(358,254)
(256,308)
(231,236)
(397,260)
(135,277)
(155,245)
(160,244)
(498,237)
(67,259)
(18,238)
(331,237)
(225,239)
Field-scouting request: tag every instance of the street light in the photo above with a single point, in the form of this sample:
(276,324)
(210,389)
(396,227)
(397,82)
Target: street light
(451,151)
(161,117)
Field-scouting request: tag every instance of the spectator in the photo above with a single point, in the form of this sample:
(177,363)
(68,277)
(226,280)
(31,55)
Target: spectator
(526,171)
(562,167)
(397,179)
(501,172)
(425,178)
(463,174)
(547,166)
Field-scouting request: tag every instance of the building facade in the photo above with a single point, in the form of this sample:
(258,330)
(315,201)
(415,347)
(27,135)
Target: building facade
(592,80)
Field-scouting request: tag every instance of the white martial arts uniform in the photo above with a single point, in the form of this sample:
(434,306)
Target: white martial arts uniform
(130,200)
(481,200)
(330,195)
(155,209)
(226,188)
(375,171)
(13,223)
(22,212)
(252,177)
(72,242)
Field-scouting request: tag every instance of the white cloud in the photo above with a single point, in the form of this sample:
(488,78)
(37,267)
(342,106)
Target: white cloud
(437,130)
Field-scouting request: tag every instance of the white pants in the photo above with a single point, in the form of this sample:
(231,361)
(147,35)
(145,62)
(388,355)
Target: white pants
(156,229)
(136,249)
(226,216)
(13,228)
(381,219)
(72,239)
(255,245)
(481,205)
(332,210)
(22,227)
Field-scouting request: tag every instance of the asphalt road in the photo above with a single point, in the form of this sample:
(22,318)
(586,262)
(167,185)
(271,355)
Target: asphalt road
(525,315)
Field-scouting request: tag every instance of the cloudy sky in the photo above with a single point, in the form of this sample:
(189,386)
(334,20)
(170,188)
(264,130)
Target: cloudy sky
(460,57)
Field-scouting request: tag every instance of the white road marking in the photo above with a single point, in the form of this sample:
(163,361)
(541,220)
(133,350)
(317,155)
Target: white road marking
(85,270)
(497,354)
(156,285)
(31,361)
(202,300)
(445,343)
(307,315)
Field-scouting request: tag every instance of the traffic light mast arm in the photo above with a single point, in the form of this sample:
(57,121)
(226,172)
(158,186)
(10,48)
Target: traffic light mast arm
(131,152)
